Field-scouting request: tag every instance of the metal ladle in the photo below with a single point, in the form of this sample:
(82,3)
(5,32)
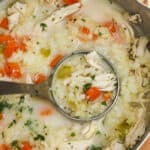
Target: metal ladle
(44,90)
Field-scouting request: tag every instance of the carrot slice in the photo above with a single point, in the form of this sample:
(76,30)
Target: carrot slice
(1,116)
(55,60)
(5,38)
(39,78)
(93,93)
(26,146)
(107,96)
(2,72)
(13,70)
(84,30)
(4,23)
(46,111)
(94,37)
(69,2)
(113,30)
(11,47)
(4,147)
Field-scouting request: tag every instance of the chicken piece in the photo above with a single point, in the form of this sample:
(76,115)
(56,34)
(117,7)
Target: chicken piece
(13,20)
(56,16)
(15,12)
(89,130)
(94,60)
(106,82)
(137,130)
(115,145)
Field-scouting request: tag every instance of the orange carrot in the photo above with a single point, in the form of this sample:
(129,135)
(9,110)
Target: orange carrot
(112,26)
(83,39)
(113,30)
(55,60)
(84,30)
(2,72)
(93,93)
(94,37)
(69,2)
(13,70)
(26,146)
(4,23)
(1,116)
(4,147)
(39,78)
(46,111)
(107,96)
(10,48)
(5,38)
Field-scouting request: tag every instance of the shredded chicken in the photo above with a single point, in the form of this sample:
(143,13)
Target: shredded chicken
(89,130)
(115,145)
(15,12)
(94,60)
(137,130)
(57,16)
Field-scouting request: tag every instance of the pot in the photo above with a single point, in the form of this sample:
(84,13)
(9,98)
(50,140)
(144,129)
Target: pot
(134,7)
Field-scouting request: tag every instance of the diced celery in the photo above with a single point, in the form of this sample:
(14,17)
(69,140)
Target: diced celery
(45,52)
(64,72)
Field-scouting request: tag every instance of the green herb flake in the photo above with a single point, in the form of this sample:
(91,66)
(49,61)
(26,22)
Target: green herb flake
(97,132)
(72,134)
(86,86)
(15,144)
(93,77)
(83,19)
(4,105)
(28,123)
(43,26)
(76,87)
(39,137)
(30,109)
(37,42)
(110,1)
(12,123)
(34,16)
(94,148)
(104,103)
(100,33)
(22,98)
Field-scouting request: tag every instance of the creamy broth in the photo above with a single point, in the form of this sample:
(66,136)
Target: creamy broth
(34,36)
(84,86)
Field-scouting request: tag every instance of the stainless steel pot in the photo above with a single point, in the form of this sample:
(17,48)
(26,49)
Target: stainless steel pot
(133,7)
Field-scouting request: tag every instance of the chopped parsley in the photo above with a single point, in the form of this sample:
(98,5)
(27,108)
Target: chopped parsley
(110,1)
(28,123)
(4,104)
(34,16)
(86,86)
(37,42)
(22,98)
(39,137)
(15,144)
(12,123)
(93,77)
(30,109)
(94,148)
(98,132)
(73,134)
(43,26)
(83,19)
(100,33)
(104,103)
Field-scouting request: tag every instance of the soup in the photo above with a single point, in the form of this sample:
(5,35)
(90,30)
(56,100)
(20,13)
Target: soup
(34,36)
(84,85)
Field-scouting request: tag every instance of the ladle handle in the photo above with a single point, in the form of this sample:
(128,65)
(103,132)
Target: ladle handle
(40,90)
